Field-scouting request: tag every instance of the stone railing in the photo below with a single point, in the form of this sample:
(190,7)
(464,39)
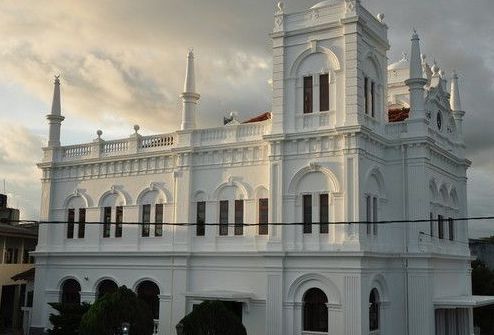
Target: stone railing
(396,128)
(132,145)
(75,151)
(230,134)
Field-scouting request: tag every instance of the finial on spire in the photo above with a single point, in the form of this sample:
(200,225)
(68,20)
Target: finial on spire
(455,101)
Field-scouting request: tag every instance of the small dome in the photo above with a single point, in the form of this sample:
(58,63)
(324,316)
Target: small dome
(326,3)
(403,63)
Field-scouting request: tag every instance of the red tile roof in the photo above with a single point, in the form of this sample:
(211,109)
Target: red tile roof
(259,118)
(398,114)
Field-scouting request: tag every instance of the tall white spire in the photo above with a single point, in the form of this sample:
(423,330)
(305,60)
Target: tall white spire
(454,101)
(55,118)
(417,81)
(190,97)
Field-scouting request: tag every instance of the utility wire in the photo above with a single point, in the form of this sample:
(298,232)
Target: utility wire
(381,222)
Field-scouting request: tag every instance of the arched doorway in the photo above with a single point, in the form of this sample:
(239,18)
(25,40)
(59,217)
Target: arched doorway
(149,292)
(374,313)
(315,311)
(106,286)
(71,292)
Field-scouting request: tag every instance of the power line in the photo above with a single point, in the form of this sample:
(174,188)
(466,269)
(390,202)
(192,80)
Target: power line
(381,222)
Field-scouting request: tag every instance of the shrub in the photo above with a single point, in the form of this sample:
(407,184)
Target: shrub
(211,317)
(106,315)
(67,321)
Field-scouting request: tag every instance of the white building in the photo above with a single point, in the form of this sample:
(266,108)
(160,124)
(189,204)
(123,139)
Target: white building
(326,153)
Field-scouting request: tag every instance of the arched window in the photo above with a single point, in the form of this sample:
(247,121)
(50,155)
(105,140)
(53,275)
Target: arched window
(149,293)
(374,310)
(106,286)
(71,292)
(315,311)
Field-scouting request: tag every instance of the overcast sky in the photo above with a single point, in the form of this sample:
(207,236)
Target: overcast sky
(122,63)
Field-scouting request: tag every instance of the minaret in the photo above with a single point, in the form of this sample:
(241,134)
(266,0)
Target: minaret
(455,103)
(417,81)
(55,118)
(189,97)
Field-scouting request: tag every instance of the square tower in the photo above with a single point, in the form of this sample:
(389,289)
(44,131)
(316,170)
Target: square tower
(329,68)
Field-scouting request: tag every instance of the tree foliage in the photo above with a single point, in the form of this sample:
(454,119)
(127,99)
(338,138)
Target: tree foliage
(106,315)
(68,318)
(211,317)
(483,284)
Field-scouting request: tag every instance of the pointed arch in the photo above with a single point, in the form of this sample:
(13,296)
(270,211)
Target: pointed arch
(370,57)
(155,187)
(235,183)
(200,195)
(78,194)
(115,191)
(313,167)
(434,191)
(261,191)
(375,172)
(444,193)
(333,59)
(378,282)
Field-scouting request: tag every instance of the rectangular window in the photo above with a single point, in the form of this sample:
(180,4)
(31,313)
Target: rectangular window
(323,213)
(368,213)
(324,92)
(239,217)
(307,213)
(82,223)
(201,218)
(373,99)
(106,222)
(146,219)
(263,216)
(440,226)
(366,95)
(308,95)
(374,214)
(451,226)
(431,224)
(158,220)
(70,223)
(118,220)
(9,256)
(224,217)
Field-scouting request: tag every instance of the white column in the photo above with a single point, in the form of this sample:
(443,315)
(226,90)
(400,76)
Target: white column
(335,319)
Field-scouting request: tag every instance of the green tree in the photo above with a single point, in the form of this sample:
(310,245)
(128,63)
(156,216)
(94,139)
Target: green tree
(483,284)
(106,315)
(68,318)
(211,317)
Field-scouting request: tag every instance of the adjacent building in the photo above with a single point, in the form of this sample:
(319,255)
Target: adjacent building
(246,213)
(16,242)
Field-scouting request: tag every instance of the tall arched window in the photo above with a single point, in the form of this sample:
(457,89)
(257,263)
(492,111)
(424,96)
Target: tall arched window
(315,311)
(374,310)
(106,286)
(149,293)
(71,292)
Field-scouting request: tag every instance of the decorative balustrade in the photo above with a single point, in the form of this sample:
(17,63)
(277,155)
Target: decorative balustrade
(156,141)
(112,147)
(134,144)
(75,151)
(229,134)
